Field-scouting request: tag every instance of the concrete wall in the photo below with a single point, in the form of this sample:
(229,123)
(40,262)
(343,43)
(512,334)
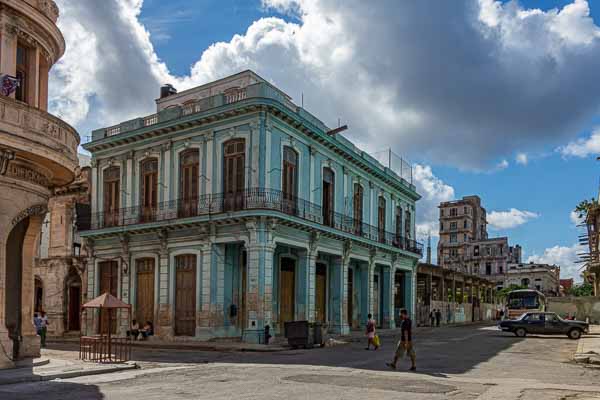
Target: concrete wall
(581,307)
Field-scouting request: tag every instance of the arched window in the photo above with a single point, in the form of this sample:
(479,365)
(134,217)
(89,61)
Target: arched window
(327,203)
(525,282)
(111,182)
(357,202)
(148,189)
(289,179)
(234,174)
(188,183)
(381,219)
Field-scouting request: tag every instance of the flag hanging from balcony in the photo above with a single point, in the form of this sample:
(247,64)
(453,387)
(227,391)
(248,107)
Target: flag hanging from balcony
(8,84)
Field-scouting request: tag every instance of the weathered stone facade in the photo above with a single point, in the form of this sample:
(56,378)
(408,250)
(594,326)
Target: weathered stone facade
(37,151)
(61,263)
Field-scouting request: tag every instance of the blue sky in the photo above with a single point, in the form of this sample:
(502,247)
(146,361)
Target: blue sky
(460,92)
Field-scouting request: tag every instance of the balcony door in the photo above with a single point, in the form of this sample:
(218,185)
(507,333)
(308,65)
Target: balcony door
(188,183)
(398,226)
(328,188)
(357,202)
(149,189)
(381,219)
(407,222)
(289,178)
(234,174)
(111,180)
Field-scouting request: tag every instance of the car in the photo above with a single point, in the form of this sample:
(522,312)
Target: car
(544,323)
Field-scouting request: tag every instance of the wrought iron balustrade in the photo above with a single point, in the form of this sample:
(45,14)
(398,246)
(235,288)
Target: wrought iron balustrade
(250,199)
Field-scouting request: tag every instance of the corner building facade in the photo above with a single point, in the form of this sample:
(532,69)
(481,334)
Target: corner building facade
(232,208)
(38,152)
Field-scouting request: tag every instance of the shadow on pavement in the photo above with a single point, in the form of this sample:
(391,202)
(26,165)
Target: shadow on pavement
(50,390)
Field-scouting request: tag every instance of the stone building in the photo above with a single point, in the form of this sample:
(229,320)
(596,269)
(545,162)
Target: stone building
(592,260)
(60,284)
(542,277)
(232,208)
(37,152)
(464,245)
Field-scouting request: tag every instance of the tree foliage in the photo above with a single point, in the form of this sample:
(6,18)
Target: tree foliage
(585,289)
(505,291)
(584,207)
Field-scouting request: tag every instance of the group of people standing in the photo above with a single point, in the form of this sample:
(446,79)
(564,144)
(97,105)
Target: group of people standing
(435,316)
(403,347)
(40,321)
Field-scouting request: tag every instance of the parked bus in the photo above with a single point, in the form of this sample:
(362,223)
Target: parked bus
(524,300)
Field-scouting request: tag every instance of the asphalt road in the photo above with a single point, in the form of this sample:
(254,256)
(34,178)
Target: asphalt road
(453,363)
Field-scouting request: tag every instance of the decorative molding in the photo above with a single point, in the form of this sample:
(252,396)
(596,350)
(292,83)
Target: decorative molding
(5,157)
(24,173)
(38,209)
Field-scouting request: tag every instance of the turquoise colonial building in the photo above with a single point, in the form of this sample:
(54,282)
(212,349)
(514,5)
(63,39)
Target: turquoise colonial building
(232,208)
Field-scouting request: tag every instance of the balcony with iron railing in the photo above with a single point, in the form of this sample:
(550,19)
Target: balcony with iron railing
(247,200)
(385,162)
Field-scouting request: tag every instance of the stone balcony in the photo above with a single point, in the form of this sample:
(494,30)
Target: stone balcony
(47,142)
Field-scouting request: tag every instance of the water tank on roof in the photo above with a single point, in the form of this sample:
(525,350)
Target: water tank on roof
(167,90)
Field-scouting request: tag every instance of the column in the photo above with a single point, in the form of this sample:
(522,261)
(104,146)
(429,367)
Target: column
(205,295)
(30,342)
(8,52)
(311,260)
(339,298)
(166,296)
(388,298)
(410,278)
(95,209)
(43,84)
(260,252)
(210,150)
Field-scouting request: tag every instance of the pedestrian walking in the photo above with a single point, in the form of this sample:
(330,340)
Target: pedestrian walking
(43,328)
(37,322)
(405,345)
(432,318)
(370,332)
(438,317)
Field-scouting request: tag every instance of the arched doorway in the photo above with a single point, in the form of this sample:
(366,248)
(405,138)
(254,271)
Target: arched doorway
(38,295)
(73,301)
(14,279)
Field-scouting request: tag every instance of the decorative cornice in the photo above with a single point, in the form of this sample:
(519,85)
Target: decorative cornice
(5,157)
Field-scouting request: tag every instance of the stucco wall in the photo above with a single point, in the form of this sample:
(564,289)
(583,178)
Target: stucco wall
(581,307)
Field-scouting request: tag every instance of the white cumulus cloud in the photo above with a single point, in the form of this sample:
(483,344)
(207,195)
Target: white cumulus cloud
(522,158)
(492,76)
(582,147)
(563,256)
(574,217)
(433,191)
(509,219)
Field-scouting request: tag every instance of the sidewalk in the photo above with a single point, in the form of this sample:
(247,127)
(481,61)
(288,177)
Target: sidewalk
(45,369)
(588,348)
(155,343)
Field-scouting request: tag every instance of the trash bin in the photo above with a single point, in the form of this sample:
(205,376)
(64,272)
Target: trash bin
(297,334)
(318,334)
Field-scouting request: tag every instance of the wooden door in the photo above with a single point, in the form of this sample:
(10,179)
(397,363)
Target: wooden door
(321,293)
(350,296)
(109,281)
(287,292)
(74,308)
(111,196)
(328,192)
(188,183)
(185,295)
(144,294)
(289,178)
(234,174)
(357,203)
(381,219)
(149,189)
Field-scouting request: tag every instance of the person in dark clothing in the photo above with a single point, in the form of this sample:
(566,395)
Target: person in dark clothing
(432,318)
(405,345)
(438,317)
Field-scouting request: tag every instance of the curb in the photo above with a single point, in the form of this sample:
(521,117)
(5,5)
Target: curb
(65,375)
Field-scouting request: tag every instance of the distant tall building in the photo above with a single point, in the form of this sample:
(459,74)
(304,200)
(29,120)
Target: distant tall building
(464,244)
